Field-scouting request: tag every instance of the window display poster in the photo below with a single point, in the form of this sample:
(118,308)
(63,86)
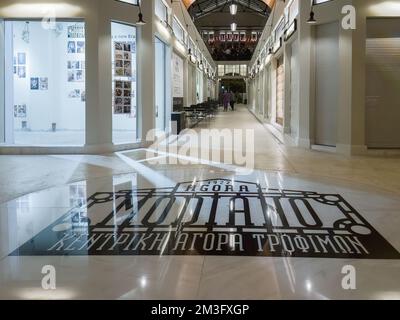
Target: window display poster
(20,111)
(123,97)
(21,72)
(80,47)
(76,31)
(34,83)
(76,75)
(123,59)
(177,76)
(76,93)
(76,47)
(20,64)
(21,58)
(44,83)
(71,47)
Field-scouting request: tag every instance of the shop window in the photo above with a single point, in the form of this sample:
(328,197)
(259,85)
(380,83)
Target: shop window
(124,84)
(160,85)
(211,37)
(178,31)
(243,70)
(293,10)
(221,70)
(45,96)
(161,10)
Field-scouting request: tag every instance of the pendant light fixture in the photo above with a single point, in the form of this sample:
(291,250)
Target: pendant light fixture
(140,22)
(233,8)
(233,26)
(312,20)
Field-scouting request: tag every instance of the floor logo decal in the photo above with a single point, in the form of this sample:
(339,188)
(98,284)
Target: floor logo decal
(212,217)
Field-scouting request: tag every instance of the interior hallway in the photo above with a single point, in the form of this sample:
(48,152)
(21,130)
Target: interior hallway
(373,195)
(24,174)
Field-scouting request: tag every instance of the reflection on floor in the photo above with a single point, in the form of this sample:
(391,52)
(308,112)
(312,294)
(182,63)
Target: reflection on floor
(120,227)
(65,137)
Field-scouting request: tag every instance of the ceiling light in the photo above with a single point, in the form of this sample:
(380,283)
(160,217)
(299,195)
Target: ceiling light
(233,26)
(312,20)
(233,9)
(140,22)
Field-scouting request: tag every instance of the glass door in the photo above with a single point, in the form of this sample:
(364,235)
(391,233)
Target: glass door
(280,91)
(160,78)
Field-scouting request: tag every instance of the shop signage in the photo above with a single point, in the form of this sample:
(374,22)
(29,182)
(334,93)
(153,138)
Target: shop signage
(212,217)
(277,45)
(177,76)
(291,30)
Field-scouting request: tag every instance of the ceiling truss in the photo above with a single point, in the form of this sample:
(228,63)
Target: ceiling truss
(202,8)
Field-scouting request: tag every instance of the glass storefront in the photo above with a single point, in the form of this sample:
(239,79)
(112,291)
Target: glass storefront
(124,71)
(199,86)
(160,90)
(280,91)
(45,83)
(177,81)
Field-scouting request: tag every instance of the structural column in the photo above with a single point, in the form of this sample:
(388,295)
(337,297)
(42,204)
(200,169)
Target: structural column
(146,71)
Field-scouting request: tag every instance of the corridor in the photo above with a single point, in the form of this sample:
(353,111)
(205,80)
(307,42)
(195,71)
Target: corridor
(67,224)
(199,150)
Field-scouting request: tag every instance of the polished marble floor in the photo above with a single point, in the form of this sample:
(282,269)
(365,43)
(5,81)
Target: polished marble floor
(121,227)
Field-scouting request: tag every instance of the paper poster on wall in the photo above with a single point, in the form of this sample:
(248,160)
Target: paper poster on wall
(44,83)
(76,64)
(34,83)
(76,93)
(80,47)
(21,72)
(20,64)
(76,76)
(83,96)
(21,58)
(76,31)
(71,47)
(20,111)
(177,76)
(123,59)
(123,97)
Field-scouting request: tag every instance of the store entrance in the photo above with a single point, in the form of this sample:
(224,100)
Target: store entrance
(326,84)
(160,85)
(280,91)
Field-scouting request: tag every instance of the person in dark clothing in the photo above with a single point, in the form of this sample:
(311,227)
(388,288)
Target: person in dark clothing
(226,100)
(232,100)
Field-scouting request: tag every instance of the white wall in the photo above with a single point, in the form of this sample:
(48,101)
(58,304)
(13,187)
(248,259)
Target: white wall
(326,83)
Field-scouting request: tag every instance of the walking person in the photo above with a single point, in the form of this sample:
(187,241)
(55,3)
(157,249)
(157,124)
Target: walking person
(232,100)
(226,100)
